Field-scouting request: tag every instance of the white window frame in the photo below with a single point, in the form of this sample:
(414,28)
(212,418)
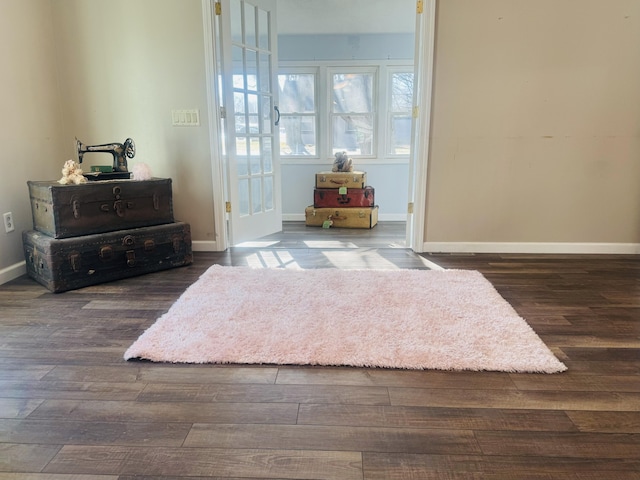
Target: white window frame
(323,99)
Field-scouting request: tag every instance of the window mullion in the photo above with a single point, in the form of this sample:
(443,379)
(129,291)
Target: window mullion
(325,114)
(383,124)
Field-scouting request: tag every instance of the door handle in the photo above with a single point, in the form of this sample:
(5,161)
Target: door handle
(278,118)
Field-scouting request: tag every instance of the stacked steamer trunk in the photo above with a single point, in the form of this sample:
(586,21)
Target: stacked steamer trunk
(102,231)
(342,199)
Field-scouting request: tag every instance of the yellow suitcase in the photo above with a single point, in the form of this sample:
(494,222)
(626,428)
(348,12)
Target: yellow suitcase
(358,217)
(341,179)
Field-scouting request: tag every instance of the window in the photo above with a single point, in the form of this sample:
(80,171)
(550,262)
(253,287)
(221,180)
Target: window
(400,112)
(298,114)
(362,109)
(352,115)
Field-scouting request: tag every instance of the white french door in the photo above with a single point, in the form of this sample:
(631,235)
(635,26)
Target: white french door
(248,37)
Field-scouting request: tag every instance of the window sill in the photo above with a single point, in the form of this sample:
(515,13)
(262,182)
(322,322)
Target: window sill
(358,163)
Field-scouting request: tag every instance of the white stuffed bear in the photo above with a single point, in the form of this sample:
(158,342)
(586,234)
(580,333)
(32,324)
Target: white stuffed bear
(72,174)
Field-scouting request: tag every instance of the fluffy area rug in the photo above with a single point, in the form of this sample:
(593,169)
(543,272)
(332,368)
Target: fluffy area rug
(411,319)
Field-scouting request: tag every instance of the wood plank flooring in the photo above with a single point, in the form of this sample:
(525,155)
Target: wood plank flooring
(71,408)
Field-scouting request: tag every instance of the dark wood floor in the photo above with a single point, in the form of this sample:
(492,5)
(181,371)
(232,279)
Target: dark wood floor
(71,408)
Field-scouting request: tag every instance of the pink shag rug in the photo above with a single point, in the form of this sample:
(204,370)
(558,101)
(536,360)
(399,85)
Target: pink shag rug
(411,319)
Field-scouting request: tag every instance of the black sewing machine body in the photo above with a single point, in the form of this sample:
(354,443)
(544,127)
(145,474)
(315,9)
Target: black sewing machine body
(120,153)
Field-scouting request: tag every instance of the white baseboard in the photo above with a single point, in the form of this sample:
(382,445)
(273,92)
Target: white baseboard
(533,247)
(433,247)
(293,217)
(382,217)
(12,272)
(204,246)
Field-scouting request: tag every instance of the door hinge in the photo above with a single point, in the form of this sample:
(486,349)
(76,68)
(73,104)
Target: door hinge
(410,207)
(420,6)
(227,207)
(414,112)
(223,112)
(218,8)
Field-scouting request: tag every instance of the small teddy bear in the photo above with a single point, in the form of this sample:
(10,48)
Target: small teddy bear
(342,163)
(71,174)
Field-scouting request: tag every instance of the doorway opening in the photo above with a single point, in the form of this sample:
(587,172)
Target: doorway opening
(415,172)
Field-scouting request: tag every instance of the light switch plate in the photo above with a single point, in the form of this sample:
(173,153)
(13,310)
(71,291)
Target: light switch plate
(185,117)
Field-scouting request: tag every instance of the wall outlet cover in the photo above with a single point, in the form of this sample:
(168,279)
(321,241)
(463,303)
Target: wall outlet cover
(8,222)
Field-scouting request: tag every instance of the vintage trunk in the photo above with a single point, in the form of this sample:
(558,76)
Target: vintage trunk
(350,197)
(69,263)
(63,211)
(365,217)
(341,179)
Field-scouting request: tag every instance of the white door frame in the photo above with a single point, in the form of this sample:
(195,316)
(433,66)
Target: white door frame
(424,54)
(425,43)
(218,174)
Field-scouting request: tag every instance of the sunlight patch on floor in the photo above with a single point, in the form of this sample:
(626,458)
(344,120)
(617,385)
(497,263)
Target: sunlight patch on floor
(272,259)
(430,264)
(397,245)
(258,244)
(356,260)
(329,244)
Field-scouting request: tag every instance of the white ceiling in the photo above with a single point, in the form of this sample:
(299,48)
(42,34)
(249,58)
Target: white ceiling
(346,16)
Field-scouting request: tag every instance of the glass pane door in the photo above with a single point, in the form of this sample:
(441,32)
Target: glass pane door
(249,59)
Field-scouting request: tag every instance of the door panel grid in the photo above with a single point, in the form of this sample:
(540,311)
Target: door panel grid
(253,173)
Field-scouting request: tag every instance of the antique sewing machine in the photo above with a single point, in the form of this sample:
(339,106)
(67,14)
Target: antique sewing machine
(120,152)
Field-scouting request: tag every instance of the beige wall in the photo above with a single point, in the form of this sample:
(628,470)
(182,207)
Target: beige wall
(536,122)
(124,65)
(30,125)
(102,71)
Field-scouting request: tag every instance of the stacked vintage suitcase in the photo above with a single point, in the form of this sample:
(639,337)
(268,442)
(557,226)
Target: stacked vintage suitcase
(342,199)
(102,231)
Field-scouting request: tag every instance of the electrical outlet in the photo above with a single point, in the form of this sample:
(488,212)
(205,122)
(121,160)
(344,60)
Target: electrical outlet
(8,222)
